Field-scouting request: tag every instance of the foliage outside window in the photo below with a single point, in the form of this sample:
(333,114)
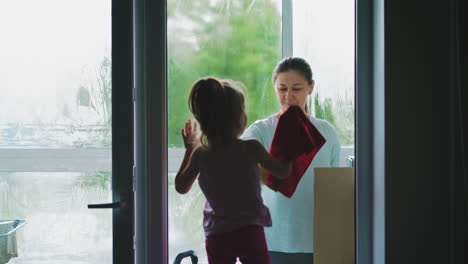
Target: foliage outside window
(239,40)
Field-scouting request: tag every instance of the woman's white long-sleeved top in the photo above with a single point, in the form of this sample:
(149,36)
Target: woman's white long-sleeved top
(292,230)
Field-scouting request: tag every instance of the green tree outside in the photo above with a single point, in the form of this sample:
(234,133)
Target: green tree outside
(238,40)
(340,113)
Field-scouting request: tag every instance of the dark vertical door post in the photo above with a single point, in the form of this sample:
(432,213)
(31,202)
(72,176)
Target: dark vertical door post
(150,131)
(122,130)
(370,132)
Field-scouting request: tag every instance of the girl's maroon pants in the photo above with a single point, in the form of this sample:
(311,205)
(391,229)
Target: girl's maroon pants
(248,244)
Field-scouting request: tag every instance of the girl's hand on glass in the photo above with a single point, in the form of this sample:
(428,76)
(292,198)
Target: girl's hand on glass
(190,135)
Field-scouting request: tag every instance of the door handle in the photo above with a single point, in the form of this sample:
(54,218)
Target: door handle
(107,205)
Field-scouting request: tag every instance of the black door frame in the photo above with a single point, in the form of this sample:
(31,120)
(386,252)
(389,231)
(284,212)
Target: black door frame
(150,70)
(122,131)
(151,125)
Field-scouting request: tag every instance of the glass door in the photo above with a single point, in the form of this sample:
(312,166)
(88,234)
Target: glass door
(243,41)
(57,146)
(239,40)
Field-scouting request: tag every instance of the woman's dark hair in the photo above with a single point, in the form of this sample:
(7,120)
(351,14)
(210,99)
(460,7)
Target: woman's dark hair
(298,65)
(218,106)
(293,64)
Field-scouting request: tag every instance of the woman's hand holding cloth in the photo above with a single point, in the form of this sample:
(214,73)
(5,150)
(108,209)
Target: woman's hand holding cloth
(296,139)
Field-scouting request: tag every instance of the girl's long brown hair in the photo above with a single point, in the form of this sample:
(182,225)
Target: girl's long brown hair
(218,106)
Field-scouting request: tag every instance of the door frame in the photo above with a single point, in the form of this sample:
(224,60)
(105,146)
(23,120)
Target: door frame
(122,132)
(150,73)
(151,131)
(370,132)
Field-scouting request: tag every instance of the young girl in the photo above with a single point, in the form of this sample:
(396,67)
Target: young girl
(228,173)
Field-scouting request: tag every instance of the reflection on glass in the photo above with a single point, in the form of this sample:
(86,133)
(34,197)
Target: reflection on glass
(239,40)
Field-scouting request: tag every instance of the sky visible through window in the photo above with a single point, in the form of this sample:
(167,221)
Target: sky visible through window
(48,48)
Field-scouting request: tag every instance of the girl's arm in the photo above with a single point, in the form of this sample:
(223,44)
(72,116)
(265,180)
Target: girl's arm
(188,171)
(279,169)
(189,168)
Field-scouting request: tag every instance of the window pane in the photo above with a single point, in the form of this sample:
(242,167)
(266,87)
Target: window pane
(239,40)
(56,74)
(185,221)
(60,228)
(323,33)
(55,128)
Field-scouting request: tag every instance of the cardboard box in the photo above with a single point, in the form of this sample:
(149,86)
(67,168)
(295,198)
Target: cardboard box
(334,216)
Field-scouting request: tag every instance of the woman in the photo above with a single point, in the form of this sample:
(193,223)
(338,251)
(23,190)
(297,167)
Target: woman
(290,239)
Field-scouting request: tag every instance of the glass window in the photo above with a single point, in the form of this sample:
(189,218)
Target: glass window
(242,40)
(55,129)
(239,40)
(59,228)
(324,35)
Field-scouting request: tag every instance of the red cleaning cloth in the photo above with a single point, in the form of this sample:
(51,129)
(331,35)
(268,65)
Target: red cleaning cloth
(295,139)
